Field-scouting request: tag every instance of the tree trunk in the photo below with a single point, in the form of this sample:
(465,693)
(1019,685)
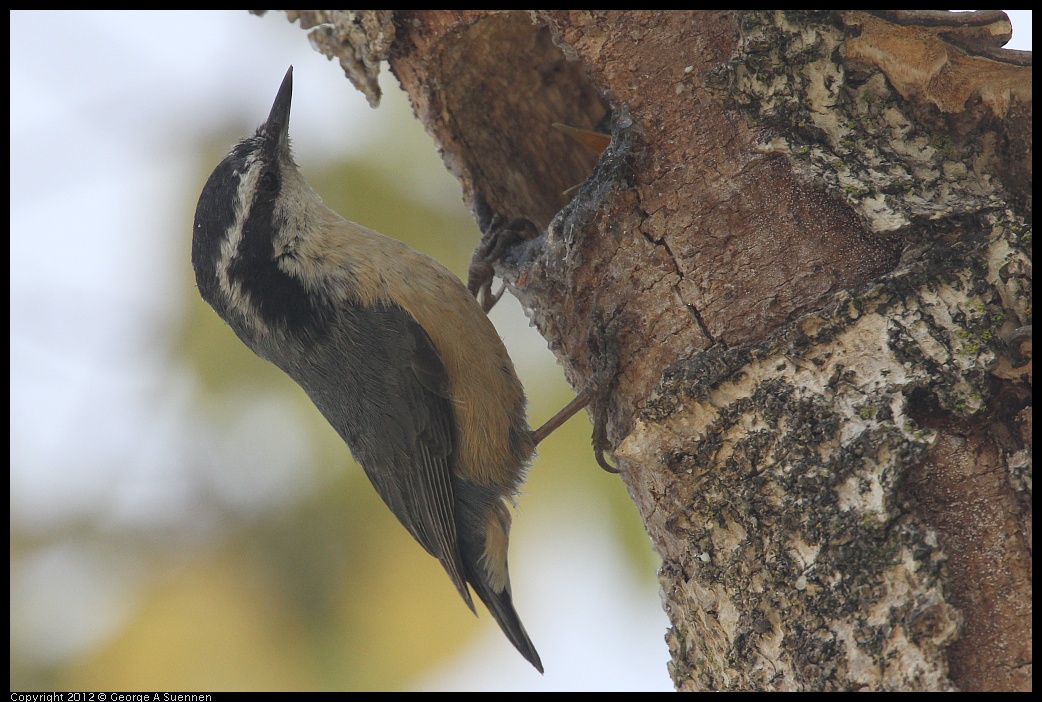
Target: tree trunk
(800,275)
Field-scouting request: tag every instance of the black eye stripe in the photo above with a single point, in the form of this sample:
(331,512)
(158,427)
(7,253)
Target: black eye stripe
(279,299)
(269,181)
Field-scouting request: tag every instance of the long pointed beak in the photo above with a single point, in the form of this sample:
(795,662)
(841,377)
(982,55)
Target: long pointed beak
(278,119)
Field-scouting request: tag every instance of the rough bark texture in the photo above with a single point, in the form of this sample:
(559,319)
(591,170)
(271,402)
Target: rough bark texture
(801,272)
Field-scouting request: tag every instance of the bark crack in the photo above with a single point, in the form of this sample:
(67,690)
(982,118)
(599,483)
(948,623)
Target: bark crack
(691,309)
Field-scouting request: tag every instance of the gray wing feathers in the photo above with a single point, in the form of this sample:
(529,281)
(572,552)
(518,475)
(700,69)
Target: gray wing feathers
(388,397)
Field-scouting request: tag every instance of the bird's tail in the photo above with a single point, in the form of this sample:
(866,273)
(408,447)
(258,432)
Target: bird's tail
(501,605)
(484,530)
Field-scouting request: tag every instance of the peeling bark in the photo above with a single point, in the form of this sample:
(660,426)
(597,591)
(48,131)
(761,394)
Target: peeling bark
(801,273)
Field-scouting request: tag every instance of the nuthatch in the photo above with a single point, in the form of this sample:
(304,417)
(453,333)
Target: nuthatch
(389,345)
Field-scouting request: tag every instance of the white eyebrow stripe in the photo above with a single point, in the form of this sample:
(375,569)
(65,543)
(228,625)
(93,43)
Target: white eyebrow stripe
(238,300)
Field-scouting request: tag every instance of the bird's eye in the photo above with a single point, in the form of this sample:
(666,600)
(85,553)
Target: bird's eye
(269,181)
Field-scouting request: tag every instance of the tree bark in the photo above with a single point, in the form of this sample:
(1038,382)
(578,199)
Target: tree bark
(800,275)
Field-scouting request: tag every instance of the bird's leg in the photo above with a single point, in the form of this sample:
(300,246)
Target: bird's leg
(497,239)
(580,401)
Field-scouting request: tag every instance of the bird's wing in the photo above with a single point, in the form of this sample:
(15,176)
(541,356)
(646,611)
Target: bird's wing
(383,387)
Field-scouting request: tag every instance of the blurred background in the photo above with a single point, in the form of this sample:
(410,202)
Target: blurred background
(182,518)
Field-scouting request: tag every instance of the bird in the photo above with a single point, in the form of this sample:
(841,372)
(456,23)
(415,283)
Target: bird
(389,345)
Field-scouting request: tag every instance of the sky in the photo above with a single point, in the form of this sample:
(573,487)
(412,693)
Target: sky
(109,113)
